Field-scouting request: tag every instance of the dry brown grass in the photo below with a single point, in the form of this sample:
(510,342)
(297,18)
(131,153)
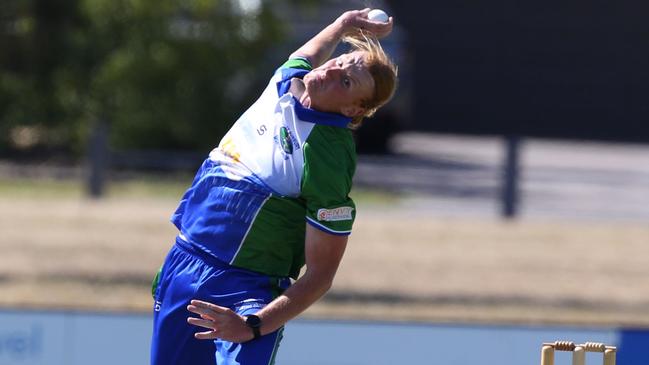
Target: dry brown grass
(75,253)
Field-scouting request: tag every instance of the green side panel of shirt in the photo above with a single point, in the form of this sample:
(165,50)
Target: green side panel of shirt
(329,166)
(275,243)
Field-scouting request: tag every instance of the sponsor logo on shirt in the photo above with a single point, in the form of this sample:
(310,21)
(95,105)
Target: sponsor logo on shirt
(285,140)
(336,214)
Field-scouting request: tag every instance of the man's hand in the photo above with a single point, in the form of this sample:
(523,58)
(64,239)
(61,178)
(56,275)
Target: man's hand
(355,20)
(222,323)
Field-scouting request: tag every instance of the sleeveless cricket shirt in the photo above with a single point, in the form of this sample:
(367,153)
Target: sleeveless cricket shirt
(279,165)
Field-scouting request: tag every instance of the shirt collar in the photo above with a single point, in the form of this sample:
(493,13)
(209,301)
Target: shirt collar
(318,117)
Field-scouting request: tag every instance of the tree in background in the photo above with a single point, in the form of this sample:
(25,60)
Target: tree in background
(163,73)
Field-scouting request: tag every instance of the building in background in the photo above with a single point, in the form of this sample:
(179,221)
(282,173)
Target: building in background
(561,69)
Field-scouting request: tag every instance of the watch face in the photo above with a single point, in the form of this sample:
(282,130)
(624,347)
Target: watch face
(253,321)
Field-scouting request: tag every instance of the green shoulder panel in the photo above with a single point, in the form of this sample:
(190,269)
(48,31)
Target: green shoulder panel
(329,166)
(301,63)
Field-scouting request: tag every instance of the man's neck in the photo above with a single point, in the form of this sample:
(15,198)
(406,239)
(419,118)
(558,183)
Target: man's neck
(299,92)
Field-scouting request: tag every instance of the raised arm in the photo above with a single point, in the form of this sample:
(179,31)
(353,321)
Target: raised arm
(320,48)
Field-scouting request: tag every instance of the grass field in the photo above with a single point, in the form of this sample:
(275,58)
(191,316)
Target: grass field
(62,250)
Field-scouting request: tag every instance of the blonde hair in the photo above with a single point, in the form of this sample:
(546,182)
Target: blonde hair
(383,71)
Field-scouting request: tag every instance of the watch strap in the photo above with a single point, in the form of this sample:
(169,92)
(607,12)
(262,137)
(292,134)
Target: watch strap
(254,323)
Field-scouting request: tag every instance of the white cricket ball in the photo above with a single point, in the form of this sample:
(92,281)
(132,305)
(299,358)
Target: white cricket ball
(378,15)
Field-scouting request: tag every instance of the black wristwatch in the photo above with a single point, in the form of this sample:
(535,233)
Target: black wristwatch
(255,324)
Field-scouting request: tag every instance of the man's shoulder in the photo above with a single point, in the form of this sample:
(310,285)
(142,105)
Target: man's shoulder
(293,68)
(334,142)
(329,134)
(299,63)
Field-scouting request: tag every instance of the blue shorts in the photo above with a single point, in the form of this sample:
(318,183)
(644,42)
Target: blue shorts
(189,274)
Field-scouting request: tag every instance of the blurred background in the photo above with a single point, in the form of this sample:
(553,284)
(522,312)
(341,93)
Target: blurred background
(506,185)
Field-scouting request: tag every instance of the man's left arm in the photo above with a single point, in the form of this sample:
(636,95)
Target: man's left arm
(323,253)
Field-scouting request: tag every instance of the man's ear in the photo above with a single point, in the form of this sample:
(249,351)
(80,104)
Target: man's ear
(353,111)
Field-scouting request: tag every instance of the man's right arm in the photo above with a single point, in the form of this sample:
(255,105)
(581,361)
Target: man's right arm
(320,48)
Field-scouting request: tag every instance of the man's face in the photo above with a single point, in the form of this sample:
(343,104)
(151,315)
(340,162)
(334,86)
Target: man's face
(339,85)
